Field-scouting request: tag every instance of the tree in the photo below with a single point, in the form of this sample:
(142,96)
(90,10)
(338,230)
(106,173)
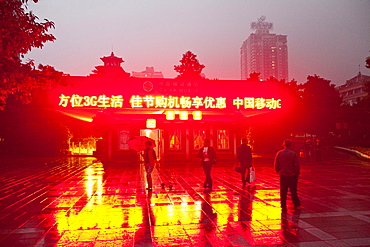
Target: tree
(190,68)
(293,108)
(30,130)
(321,102)
(366,100)
(255,76)
(20,31)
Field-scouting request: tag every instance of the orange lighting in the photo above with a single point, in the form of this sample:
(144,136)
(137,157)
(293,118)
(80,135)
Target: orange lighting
(184,115)
(170,115)
(151,123)
(83,118)
(197,115)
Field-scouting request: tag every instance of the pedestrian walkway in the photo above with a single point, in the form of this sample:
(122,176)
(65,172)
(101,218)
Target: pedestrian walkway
(80,201)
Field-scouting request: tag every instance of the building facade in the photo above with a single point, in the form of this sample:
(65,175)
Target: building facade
(354,89)
(111,68)
(264,53)
(177,114)
(148,73)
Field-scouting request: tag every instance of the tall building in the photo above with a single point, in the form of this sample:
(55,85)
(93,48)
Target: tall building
(354,89)
(264,52)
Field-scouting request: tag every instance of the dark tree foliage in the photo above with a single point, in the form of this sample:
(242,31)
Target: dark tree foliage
(367,62)
(292,113)
(255,76)
(291,87)
(365,103)
(190,68)
(20,31)
(321,102)
(31,130)
(269,130)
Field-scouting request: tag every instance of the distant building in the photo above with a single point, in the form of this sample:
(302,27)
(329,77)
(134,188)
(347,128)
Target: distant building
(148,73)
(354,89)
(111,68)
(264,53)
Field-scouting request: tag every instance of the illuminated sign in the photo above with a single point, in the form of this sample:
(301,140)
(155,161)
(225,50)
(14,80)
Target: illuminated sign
(197,115)
(256,103)
(100,101)
(151,123)
(170,115)
(168,102)
(183,115)
(183,102)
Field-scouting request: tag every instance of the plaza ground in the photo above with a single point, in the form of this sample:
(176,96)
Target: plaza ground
(80,201)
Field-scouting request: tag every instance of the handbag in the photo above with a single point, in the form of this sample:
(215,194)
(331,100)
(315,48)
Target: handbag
(301,154)
(252,175)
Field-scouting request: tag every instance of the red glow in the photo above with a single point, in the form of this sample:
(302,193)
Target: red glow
(168,102)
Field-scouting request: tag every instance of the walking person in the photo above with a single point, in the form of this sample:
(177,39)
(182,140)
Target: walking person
(149,161)
(244,156)
(307,146)
(287,166)
(207,155)
(317,148)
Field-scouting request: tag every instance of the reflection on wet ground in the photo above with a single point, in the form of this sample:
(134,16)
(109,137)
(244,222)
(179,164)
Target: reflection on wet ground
(80,201)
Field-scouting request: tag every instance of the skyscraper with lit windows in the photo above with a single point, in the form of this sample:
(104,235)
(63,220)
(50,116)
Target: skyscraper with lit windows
(264,52)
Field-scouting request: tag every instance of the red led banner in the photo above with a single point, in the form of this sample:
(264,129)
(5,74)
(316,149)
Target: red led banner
(167,102)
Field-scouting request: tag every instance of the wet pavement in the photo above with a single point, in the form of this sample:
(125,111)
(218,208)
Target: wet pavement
(79,201)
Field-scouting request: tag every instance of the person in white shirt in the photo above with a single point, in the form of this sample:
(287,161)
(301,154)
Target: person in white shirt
(149,161)
(207,156)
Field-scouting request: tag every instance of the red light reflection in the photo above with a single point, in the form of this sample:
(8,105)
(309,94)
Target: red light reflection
(96,205)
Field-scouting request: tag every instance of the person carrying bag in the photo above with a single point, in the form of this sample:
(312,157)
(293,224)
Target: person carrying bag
(244,156)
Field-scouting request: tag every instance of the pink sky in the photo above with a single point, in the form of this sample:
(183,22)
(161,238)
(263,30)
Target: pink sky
(327,38)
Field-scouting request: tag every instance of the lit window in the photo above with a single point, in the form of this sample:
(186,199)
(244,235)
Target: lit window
(183,115)
(151,124)
(197,115)
(170,115)
(175,139)
(199,136)
(223,139)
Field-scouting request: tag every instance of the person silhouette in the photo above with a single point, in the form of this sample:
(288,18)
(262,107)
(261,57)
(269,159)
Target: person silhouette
(287,166)
(207,155)
(149,162)
(244,156)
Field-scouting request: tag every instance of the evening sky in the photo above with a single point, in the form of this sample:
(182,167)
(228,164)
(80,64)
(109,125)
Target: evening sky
(330,38)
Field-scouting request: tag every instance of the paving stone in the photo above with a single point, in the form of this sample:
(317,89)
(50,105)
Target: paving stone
(81,201)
